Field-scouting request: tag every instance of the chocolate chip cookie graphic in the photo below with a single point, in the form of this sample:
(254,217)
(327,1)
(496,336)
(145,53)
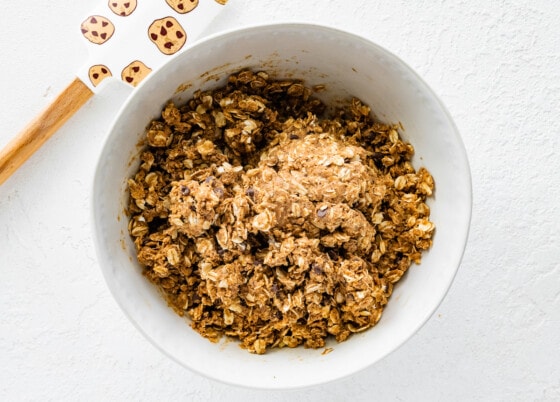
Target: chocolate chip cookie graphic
(167,34)
(222,2)
(135,72)
(123,7)
(98,73)
(97,29)
(182,6)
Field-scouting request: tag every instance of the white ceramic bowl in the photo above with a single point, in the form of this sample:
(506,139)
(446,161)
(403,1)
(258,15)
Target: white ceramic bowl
(346,64)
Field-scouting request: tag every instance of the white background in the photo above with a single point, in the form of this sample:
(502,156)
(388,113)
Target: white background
(496,336)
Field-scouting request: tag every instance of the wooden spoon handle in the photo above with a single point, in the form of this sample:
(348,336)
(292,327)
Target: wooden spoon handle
(42,127)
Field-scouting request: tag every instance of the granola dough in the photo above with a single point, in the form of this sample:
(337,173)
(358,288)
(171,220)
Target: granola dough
(265,221)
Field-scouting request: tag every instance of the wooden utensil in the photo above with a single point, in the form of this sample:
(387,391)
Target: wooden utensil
(127,40)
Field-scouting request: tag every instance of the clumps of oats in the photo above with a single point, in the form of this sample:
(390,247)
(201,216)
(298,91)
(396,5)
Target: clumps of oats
(265,221)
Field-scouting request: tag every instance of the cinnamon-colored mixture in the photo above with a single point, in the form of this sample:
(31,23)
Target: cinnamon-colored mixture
(263,220)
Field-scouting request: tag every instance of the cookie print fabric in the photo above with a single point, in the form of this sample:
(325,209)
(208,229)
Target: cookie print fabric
(128,39)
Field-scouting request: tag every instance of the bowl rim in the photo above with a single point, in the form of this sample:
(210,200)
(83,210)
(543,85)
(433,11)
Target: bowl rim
(280,25)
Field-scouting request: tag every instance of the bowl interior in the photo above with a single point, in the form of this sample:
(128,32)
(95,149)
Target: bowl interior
(347,65)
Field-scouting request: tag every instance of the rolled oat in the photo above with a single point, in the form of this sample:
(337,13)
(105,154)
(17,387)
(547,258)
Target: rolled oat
(263,220)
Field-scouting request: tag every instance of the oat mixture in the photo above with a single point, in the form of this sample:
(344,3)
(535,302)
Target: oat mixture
(263,220)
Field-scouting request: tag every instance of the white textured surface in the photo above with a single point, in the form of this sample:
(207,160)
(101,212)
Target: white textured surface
(495,337)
